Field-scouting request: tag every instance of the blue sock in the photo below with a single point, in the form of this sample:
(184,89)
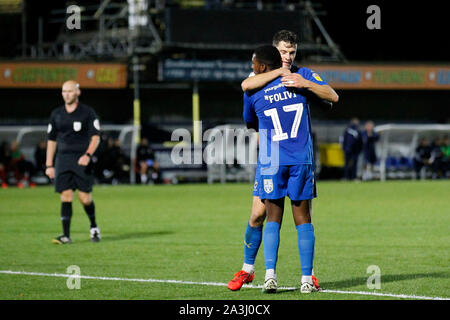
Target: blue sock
(271,243)
(306,241)
(252,241)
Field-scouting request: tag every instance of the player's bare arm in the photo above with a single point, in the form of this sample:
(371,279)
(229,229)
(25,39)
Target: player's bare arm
(260,80)
(51,149)
(325,92)
(86,157)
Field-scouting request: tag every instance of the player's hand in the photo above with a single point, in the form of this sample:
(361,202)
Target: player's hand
(284,72)
(50,172)
(84,160)
(295,80)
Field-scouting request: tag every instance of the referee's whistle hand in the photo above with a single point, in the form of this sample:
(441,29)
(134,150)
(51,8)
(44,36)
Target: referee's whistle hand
(84,160)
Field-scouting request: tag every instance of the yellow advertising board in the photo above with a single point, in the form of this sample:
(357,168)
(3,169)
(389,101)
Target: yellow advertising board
(52,75)
(331,155)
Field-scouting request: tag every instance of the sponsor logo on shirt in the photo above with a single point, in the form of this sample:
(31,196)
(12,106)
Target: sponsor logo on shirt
(273,88)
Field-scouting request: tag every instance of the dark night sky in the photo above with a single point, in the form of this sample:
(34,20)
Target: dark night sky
(410,30)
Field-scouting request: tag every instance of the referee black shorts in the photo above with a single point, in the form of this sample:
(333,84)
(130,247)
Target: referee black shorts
(70,175)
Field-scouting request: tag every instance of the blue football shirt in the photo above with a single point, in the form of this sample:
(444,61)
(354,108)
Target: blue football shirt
(283,117)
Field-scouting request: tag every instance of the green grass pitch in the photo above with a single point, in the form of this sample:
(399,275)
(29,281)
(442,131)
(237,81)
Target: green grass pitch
(194,233)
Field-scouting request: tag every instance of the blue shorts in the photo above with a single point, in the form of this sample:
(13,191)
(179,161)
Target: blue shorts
(295,181)
(255,185)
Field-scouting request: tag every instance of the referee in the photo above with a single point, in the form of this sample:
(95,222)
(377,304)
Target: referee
(74,135)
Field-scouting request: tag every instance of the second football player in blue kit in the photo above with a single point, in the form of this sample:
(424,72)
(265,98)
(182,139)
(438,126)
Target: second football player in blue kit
(282,116)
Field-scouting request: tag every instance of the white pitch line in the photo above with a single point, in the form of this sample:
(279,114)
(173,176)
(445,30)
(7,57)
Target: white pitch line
(217,284)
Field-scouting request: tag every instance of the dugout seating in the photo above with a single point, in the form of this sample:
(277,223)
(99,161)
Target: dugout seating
(399,167)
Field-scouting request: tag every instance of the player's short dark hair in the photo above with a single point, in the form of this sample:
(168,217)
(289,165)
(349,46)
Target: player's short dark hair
(269,55)
(286,36)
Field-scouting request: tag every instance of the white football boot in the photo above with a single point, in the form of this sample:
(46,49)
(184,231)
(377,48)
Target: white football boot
(307,287)
(270,286)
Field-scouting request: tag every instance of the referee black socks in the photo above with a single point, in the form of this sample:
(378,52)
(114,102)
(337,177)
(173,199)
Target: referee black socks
(66,216)
(90,211)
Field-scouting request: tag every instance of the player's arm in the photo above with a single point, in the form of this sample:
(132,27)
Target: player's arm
(322,91)
(51,149)
(260,80)
(317,102)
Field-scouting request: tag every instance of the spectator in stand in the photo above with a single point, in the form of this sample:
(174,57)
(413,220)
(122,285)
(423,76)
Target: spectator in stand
(113,163)
(23,169)
(5,159)
(445,148)
(121,165)
(106,160)
(369,138)
(352,145)
(40,154)
(146,161)
(422,156)
(99,153)
(436,159)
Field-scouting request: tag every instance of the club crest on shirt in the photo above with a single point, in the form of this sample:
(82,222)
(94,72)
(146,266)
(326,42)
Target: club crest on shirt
(317,77)
(76,125)
(49,128)
(268,185)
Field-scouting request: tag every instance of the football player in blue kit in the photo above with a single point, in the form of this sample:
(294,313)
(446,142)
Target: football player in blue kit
(282,117)
(286,43)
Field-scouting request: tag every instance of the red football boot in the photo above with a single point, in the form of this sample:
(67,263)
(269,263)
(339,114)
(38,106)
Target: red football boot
(239,279)
(316,283)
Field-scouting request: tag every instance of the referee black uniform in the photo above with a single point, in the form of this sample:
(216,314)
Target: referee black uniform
(72,132)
